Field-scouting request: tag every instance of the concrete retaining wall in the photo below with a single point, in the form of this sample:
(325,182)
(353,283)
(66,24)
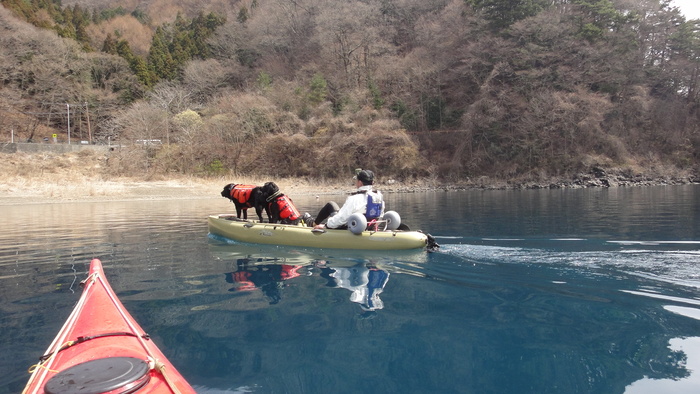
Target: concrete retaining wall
(55,148)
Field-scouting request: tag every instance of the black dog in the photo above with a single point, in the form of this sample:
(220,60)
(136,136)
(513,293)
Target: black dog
(281,207)
(244,197)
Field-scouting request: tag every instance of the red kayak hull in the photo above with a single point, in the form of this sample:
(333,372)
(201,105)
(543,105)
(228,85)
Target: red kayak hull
(112,335)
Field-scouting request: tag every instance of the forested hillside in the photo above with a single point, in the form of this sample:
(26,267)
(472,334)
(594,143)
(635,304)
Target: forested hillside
(528,90)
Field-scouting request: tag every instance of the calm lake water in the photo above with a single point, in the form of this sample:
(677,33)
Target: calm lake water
(547,291)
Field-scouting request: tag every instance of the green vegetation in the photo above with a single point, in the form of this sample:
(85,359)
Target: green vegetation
(449,89)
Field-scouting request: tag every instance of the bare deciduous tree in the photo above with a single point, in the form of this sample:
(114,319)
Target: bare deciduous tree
(204,78)
(141,121)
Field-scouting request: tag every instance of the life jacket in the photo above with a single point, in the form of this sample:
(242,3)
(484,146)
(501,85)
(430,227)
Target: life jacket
(242,193)
(289,271)
(243,277)
(287,209)
(374,209)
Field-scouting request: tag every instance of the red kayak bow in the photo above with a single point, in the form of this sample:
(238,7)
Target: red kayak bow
(102,349)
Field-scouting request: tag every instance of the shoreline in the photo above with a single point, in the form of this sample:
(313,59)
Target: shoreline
(37,191)
(42,179)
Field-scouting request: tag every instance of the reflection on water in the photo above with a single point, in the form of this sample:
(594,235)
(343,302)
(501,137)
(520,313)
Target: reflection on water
(686,356)
(364,280)
(268,278)
(559,291)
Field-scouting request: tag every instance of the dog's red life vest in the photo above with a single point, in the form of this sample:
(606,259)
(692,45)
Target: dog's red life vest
(243,278)
(287,209)
(241,193)
(289,271)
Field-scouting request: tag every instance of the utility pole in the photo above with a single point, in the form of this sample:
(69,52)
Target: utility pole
(68,109)
(87,115)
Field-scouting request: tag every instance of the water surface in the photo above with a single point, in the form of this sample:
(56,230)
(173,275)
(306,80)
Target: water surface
(549,291)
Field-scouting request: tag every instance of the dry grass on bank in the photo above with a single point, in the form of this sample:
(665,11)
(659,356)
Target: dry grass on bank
(46,177)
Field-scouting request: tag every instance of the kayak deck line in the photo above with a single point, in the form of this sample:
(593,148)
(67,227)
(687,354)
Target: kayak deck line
(125,359)
(80,340)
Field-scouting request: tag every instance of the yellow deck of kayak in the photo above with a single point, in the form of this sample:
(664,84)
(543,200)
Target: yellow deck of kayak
(251,231)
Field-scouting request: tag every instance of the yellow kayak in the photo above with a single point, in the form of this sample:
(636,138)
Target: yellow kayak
(228,226)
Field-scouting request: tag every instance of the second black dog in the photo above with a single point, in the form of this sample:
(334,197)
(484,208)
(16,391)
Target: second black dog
(282,209)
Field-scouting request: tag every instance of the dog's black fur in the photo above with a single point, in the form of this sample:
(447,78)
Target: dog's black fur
(256,200)
(269,189)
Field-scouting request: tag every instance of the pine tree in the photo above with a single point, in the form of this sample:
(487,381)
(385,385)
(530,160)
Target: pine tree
(160,60)
(109,45)
(318,89)
(503,13)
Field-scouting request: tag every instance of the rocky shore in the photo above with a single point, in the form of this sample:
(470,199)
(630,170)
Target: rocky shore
(596,178)
(599,177)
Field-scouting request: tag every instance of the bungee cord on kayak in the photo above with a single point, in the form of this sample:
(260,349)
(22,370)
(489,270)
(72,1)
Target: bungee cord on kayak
(80,340)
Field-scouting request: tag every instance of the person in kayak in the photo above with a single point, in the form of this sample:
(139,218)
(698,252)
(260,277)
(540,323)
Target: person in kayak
(364,200)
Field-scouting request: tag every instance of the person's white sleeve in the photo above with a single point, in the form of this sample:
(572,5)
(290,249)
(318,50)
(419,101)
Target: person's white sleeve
(354,203)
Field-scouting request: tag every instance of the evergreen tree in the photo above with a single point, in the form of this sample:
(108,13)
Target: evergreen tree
(80,21)
(503,13)
(597,17)
(124,50)
(243,14)
(318,89)
(109,45)
(201,28)
(173,45)
(21,8)
(181,50)
(143,72)
(137,65)
(160,60)
(685,57)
